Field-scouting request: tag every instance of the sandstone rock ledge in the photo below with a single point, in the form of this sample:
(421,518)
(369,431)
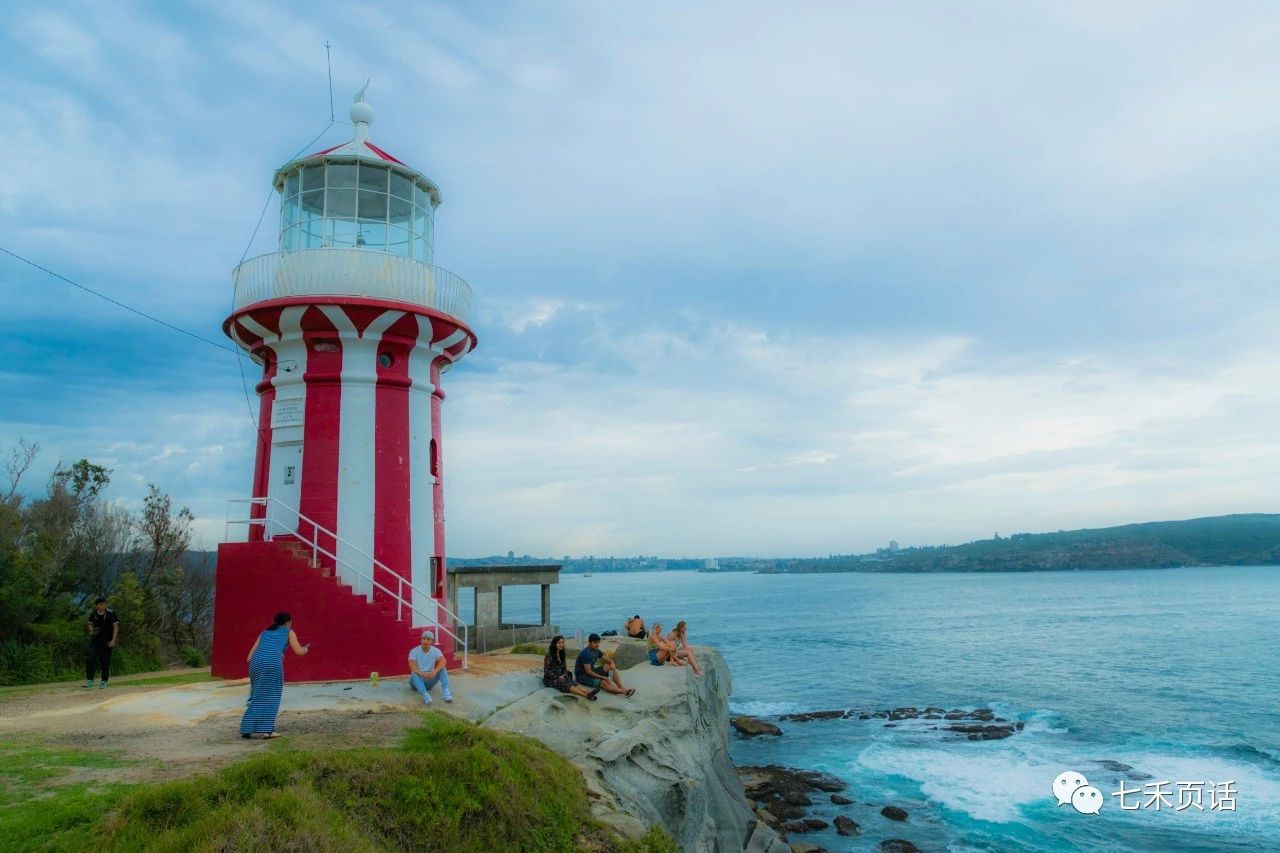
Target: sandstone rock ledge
(661,757)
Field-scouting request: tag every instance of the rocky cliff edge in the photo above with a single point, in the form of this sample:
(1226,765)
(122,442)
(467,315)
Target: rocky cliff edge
(658,758)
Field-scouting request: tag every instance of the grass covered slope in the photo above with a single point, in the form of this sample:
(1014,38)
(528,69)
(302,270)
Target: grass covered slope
(451,786)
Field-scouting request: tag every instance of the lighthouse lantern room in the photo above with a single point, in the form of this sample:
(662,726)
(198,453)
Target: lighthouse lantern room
(353,326)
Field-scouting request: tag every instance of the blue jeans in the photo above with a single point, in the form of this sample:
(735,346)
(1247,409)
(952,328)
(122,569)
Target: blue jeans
(422,685)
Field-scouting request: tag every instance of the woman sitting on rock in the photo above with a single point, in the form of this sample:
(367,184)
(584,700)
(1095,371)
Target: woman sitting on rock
(683,650)
(556,674)
(661,650)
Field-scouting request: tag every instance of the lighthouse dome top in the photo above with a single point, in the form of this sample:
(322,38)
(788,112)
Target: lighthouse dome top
(361,149)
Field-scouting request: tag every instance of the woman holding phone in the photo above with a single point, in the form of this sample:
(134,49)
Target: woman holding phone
(266,676)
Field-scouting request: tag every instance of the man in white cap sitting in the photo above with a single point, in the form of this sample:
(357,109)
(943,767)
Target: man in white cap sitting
(426,667)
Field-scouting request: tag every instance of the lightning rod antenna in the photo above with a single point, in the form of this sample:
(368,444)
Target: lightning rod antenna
(329,64)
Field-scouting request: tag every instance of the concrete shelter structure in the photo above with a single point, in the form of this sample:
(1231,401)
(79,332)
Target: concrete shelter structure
(490,630)
(353,327)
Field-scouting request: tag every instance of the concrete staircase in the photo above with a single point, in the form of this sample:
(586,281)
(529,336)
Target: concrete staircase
(350,636)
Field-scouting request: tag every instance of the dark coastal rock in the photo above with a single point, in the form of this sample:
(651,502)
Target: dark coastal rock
(984,714)
(808,716)
(751,726)
(780,794)
(903,714)
(934,710)
(933,716)
(981,732)
(802,847)
(898,845)
(1018,725)
(815,823)
(846,826)
(953,715)
(1121,767)
(890,725)
(825,782)
(839,800)
(894,813)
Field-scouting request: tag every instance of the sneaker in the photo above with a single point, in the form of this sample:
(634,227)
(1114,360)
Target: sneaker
(102,685)
(448,697)
(88,683)
(426,700)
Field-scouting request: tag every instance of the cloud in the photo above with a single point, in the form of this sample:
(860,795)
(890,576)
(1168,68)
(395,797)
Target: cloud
(746,280)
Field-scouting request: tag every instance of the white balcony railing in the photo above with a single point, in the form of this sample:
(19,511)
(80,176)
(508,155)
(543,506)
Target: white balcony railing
(351,272)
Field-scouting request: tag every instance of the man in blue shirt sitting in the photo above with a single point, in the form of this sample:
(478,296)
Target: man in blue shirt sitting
(592,669)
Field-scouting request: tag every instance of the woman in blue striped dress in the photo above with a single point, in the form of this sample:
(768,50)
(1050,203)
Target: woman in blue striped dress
(266,676)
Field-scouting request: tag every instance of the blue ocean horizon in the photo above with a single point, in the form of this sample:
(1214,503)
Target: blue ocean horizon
(1166,671)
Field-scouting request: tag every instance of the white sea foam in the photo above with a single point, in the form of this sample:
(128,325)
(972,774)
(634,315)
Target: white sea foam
(764,709)
(989,786)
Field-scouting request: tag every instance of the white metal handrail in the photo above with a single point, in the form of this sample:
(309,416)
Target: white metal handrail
(317,549)
(335,271)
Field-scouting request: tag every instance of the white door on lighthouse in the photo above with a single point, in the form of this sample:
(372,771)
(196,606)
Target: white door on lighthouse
(286,487)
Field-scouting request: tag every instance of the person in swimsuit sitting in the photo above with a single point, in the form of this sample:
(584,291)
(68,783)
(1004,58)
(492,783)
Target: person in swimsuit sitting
(683,651)
(661,650)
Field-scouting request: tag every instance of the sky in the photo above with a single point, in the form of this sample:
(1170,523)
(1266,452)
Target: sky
(750,278)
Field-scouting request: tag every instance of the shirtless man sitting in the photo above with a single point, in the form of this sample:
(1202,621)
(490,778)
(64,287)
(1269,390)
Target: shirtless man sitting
(635,627)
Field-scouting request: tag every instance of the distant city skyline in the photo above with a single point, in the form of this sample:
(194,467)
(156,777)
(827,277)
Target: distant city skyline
(748,280)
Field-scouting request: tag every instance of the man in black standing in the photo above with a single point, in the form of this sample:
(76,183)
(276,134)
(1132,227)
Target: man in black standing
(104,631)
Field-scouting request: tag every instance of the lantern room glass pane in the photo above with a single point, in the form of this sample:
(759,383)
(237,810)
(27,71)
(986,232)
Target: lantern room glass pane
(373,178)
(342,176)
(340,232)
(289,212)
(312,204)
(291,184)
(311,234)
(312,178)
(373,205)
(420,221)
(399,241)
(340,203)
(371,235)
(400,212)
(401,186)
(288,239)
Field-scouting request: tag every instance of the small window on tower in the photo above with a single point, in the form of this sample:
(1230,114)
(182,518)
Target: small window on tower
(435,459)
(386,359)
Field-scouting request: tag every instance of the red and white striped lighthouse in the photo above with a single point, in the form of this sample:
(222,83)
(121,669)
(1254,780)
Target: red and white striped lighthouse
(353,326)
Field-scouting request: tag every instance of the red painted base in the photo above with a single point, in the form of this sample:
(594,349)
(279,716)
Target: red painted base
(349,636)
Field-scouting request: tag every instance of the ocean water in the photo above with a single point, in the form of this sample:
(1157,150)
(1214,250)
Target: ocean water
(1173,672)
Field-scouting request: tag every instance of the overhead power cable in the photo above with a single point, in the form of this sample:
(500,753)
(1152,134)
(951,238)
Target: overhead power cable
(118,303)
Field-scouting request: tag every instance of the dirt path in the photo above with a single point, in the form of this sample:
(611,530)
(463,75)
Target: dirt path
(171,731)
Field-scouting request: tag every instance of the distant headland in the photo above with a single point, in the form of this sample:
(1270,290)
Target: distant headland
(1225,540)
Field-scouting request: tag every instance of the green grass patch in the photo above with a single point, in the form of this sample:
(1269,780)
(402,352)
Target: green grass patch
(8,693)
(451,786)
(26,769)
(180,678)
(529,649)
